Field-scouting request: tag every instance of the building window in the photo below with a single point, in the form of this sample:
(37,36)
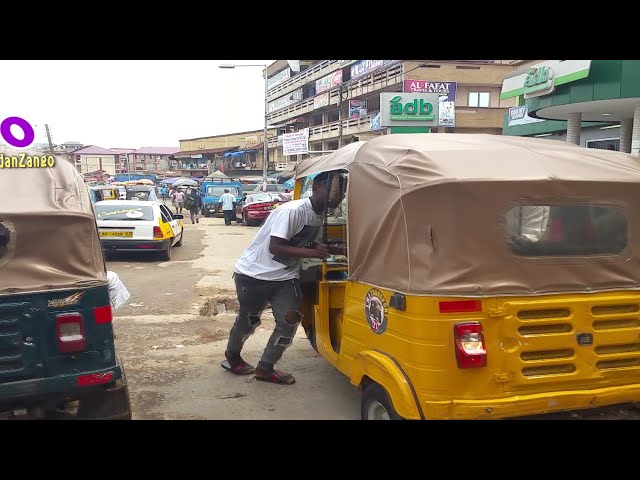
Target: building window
(479,99)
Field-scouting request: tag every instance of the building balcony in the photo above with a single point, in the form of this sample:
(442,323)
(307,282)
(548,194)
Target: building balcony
(311,74)
(388,79)
(466,118)
(350,126)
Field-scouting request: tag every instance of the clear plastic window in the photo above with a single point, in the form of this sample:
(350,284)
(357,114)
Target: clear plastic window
(564,230)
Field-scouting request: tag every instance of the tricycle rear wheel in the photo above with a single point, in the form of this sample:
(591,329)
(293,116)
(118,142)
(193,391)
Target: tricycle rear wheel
(376,404)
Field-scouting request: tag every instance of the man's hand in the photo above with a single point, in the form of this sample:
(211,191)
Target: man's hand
(321,250)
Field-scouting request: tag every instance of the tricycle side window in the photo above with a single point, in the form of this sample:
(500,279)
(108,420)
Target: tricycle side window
(566,230)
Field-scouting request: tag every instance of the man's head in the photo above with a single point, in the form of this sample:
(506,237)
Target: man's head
(321,192)
(226,190)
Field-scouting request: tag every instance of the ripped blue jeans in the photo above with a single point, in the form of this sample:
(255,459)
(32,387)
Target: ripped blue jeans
(285,298)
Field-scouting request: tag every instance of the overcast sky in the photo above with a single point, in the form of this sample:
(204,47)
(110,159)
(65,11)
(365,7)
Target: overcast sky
(132,103)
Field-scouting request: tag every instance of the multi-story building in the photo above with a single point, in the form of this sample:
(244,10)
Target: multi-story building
(234,152)
(153,159)
(339,100)
(96,161)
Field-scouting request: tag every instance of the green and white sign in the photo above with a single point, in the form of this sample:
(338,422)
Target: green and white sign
(542,78)
(409,109)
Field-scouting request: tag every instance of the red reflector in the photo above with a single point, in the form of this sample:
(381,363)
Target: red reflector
(461,306)
(94,379)
(470,348)
(103,314)
(145,246)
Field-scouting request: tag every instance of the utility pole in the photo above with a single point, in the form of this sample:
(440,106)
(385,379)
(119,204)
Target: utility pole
(46,127)
(340,116)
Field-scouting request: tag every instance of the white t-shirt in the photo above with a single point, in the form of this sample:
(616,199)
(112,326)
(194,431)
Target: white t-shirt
(227,201)
(295,221)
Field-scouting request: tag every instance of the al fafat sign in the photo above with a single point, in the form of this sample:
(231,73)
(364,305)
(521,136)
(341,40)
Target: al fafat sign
(446,91)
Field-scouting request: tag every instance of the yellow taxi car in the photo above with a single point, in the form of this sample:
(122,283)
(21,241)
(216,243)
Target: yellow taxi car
(128,225)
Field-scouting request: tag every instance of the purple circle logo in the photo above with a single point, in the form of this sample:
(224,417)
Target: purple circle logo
(27,129)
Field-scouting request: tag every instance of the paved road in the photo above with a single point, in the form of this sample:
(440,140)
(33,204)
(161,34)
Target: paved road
(172,343)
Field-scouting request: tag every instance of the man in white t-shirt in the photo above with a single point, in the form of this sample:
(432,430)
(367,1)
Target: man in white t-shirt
(228,202)
(269,272)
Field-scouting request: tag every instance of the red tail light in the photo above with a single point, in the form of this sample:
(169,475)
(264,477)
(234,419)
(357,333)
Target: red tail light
(461,306)
(103,314)
(470,348)
(70,333)
(157,232)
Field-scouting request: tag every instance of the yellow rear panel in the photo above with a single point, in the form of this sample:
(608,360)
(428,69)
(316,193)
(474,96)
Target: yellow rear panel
(539,350)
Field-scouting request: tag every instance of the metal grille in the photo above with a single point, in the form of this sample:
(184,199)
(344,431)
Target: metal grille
(616,324)
(548,370)
(611,349)
(613,309)
(536,314)
(622,363)
(547,354)
(545,329)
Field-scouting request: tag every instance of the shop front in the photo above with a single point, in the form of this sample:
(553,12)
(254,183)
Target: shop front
(593,103)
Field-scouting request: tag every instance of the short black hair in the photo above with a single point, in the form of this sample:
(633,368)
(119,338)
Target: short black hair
(321,178)
(226,190)
(324,177)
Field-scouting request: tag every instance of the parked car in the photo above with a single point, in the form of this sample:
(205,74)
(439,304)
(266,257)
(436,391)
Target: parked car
(271,188)
(255,208)
(127,225)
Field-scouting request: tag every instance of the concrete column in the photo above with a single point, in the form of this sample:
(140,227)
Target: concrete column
(574,127)
(626,127)
(635,136)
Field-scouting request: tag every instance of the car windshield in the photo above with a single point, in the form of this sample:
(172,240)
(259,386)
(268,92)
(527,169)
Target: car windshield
(263,197)
(123,212)
(218,191)
(271,187)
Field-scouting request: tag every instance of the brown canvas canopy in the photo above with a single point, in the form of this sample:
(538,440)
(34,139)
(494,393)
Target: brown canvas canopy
(48,233)
(428,212)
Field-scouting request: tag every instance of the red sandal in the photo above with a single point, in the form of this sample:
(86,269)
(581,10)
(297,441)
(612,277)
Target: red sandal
(240,368)
(278,377)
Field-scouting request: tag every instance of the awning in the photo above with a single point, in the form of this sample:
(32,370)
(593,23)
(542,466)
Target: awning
(238,153)
(188,153)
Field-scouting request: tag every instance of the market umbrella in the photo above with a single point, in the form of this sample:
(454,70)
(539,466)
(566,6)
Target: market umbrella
(145,181)
(218,174)
(169,181)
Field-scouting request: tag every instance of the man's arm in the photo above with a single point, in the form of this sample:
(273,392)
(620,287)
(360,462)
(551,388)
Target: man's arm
(279,246)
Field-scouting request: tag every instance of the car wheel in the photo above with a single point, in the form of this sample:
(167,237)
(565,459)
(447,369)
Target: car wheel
(166,253)
(376,404)
(179,242)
